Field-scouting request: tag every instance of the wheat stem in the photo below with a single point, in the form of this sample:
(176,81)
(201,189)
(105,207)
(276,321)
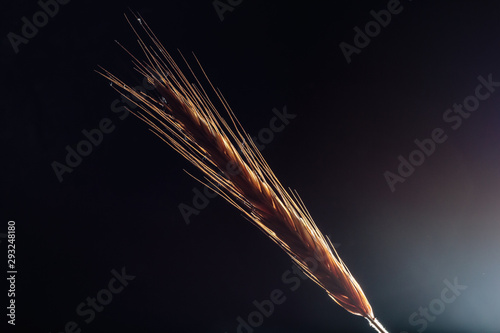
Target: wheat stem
(376,325)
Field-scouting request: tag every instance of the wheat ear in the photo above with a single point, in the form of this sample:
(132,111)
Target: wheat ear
(183,116)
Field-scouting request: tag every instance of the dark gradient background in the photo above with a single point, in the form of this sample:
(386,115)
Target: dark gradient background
(119,207)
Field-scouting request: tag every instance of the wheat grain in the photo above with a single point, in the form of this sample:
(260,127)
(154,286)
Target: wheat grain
(182,115)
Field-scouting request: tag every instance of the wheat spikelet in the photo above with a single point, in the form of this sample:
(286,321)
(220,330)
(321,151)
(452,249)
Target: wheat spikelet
(183,116)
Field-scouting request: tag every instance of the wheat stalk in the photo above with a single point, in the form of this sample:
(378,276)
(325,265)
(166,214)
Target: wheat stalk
(182,115)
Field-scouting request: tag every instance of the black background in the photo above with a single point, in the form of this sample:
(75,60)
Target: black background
(119,207)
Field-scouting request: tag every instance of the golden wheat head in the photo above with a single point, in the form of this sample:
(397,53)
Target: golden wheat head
(183,116)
